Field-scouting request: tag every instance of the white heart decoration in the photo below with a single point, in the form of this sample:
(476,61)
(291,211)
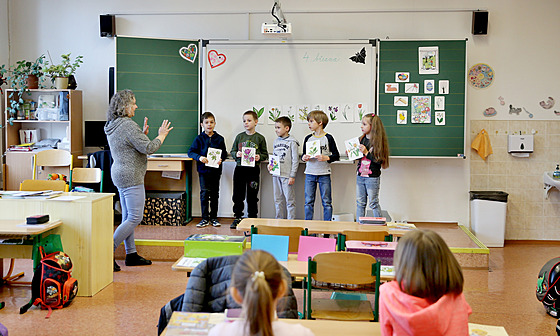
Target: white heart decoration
(189,53)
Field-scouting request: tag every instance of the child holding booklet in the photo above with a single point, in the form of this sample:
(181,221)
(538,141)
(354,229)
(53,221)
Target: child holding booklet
(208,175)
(375,148)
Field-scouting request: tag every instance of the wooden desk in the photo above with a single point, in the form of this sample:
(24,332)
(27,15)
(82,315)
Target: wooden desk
(87,234)
(316,226)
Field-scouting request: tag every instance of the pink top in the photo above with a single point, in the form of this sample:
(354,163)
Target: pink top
(403,314)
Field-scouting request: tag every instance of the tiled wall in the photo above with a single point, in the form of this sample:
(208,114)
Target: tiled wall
(529,215)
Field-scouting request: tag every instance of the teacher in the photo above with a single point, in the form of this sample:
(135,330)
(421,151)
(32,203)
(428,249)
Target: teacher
(130,147)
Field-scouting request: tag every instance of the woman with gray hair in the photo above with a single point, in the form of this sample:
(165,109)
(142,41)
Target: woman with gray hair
(130,147)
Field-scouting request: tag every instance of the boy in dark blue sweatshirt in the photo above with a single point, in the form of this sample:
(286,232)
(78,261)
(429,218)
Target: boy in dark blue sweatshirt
(209,177)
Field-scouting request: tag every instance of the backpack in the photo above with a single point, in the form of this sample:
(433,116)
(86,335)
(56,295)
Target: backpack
(548,286)
(52,286)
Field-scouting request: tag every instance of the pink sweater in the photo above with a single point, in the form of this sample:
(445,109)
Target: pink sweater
(403,314)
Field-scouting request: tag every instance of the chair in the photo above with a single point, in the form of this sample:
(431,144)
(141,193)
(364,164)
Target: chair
(52,161)
(343,271)
(362,235)
(293,232)
(38,185)
(88,175)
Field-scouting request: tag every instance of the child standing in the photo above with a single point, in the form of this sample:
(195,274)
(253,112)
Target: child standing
(246,179)
(286,148)
(426,297)
(257,283)
(209,177)
(318,168)
(375,147)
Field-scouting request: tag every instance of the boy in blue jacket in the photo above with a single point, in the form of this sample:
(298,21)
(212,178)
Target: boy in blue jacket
(209,177)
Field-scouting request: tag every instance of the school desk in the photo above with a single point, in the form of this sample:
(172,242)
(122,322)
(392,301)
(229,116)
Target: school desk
(15,229)
(317,226)
(87,233)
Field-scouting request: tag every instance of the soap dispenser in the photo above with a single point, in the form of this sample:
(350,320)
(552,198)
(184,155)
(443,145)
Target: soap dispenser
(556,173)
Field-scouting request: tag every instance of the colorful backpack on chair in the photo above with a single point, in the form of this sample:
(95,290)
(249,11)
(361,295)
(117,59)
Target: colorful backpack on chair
(52,286)
(548,286)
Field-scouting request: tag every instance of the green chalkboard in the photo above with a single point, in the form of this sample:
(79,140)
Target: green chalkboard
(423,139)
(165,84)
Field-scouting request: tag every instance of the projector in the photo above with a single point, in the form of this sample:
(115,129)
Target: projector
(274,30)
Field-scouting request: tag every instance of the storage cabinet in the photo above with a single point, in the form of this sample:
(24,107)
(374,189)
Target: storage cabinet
(18,164)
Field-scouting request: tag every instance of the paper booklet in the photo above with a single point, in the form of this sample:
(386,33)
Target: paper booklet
(353,149)
(248,156)
(214,155)
(313,148)
(274,164)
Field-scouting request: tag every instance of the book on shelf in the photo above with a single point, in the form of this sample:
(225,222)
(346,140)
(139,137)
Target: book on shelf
(26,147)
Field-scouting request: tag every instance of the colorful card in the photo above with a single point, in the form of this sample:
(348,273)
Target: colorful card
(347,113)
(402,77)
(412,88)
(275,245)
(248,156)
(273,112)
(391,87)
(274,164)
(260,113)
(353,149)
(443,86)
(313,148)
(361,111)
(400,100)
(428,60)
(429,86)
(440,118)
(402,117)
(302,112)
(333,112)
(310,246)
(214,156)
(421,112)
(439,103)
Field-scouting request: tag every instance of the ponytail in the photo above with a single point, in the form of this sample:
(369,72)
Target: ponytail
(258,277)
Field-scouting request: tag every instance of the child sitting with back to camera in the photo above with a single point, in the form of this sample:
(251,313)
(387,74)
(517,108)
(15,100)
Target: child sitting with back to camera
(257,283)
(426,298)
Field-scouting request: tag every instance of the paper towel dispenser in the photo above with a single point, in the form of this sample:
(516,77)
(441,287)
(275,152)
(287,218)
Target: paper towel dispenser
(520,144)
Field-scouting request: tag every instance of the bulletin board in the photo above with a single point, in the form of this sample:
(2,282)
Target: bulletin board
(165,78)
(421,96)
(289,78)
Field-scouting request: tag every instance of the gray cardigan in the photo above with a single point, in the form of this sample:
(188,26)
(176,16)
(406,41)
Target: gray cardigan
(129,149)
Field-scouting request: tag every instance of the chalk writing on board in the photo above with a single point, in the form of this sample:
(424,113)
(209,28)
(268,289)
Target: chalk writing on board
(319,58)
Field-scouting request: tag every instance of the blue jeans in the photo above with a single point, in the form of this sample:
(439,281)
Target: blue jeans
(132,205)
(324,182)
(367,187)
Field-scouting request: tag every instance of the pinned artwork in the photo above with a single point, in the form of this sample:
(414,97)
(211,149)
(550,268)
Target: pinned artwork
(440,118)
(514,110)
(402,117)
(353,149)
(259,112)
(273,112)
(443,86)
(501,100)
(429,86)
(216,59)
(360,57)
(421,112)
(529,113)
(402,77)
(361,111)
(400,101)
(412,88)
(189,53)
(347,113)
(313,148)
(318,107)
(248,156)
(428,60)
(391,87)
(333,112)
(214,156)
(274,165)
(439,103)
(480,76)
(490,112)
(302,111)
(547,105)
(290,111)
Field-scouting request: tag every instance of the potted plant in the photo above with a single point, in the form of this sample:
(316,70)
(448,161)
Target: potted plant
(59,73)
(22,76)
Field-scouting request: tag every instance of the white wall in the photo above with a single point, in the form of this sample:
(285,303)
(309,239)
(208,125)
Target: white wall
(520,46)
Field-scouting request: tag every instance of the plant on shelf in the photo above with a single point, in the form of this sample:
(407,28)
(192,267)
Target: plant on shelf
(59,73)
(22,76)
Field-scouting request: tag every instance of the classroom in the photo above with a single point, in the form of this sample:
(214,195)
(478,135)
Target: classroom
(426,188)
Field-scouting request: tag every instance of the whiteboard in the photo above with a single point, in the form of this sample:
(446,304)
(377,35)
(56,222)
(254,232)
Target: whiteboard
(284,78)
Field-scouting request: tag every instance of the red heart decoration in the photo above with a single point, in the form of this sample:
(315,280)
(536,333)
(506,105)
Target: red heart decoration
(216,59)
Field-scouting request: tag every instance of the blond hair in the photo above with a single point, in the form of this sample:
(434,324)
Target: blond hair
(319,116)
(378,142)
(258,278)
(425,267)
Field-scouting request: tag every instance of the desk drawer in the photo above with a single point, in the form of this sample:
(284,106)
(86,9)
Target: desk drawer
(165,165)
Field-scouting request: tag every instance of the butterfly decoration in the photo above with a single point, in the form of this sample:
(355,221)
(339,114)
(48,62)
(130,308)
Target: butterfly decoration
(360,57)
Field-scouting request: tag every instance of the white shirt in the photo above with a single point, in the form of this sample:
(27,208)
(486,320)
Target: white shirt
(279,328)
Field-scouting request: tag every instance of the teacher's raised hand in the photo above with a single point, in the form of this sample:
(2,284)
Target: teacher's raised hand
(164,129)
(145,128)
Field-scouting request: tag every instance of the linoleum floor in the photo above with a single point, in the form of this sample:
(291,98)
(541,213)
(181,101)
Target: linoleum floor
(505,296)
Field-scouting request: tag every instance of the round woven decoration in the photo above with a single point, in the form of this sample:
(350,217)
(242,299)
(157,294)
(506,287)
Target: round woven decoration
(481,75)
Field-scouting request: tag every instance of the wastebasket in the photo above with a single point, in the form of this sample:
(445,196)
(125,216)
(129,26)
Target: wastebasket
(488,216)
